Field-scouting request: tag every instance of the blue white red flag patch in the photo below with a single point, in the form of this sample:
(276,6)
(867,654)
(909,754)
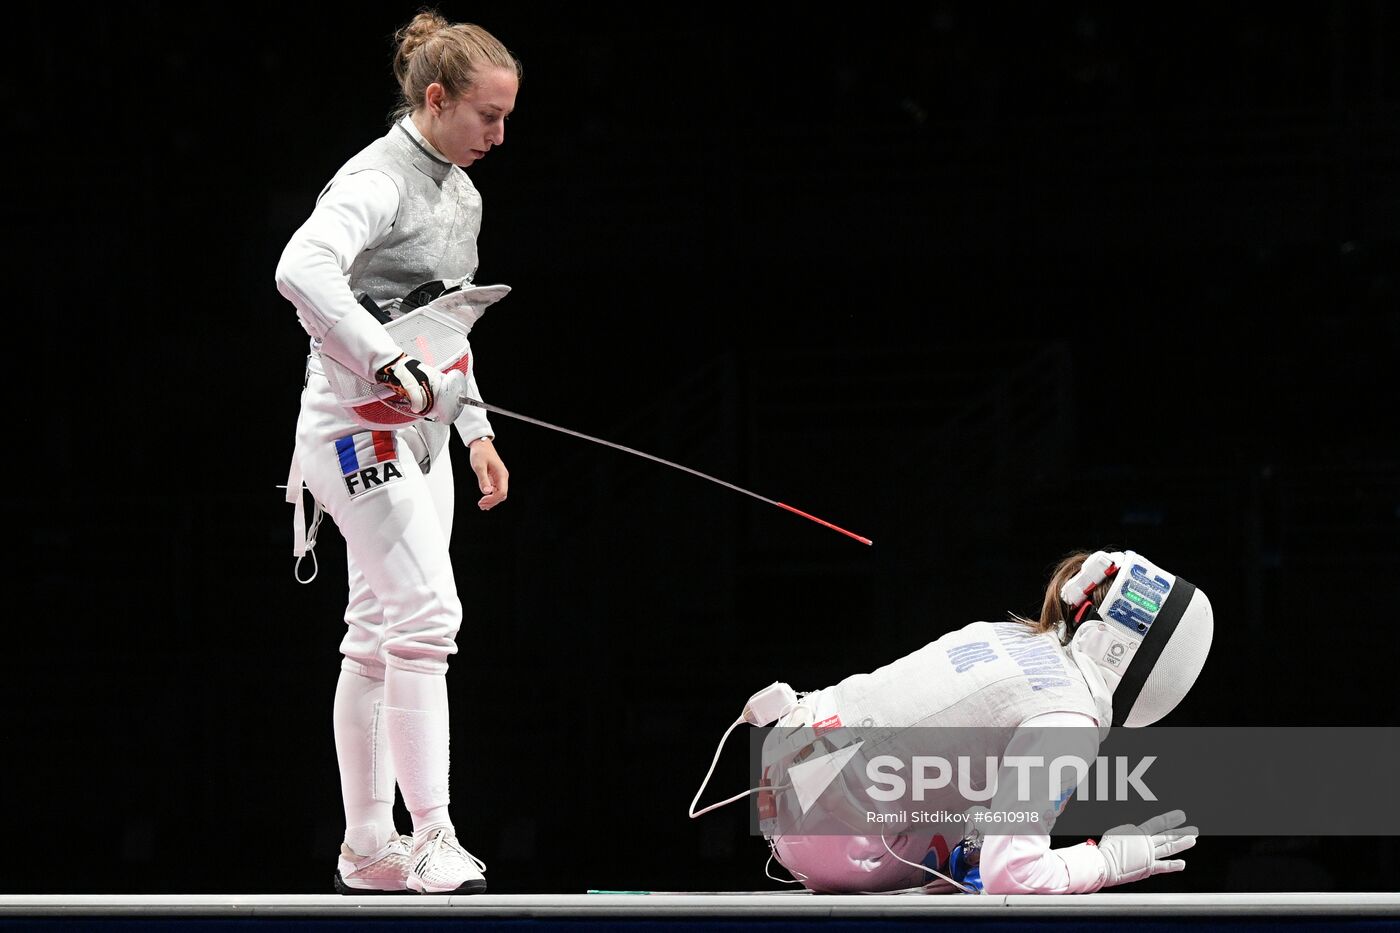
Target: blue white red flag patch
(368,460)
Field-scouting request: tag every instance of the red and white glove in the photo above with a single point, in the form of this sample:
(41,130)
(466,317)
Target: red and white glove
(426,390)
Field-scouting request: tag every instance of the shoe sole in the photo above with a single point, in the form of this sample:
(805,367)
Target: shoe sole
(342,888)
(477,886)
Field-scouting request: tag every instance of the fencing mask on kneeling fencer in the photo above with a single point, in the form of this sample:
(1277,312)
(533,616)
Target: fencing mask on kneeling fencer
(435,333)
(1149,638)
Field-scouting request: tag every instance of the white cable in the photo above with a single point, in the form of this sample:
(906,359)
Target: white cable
(310,540)
(714,762)
(715,806)
(316,517)
(772,877)
(315,568)
(961,887)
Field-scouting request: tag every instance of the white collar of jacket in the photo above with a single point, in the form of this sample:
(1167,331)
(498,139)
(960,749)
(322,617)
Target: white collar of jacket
(412,128)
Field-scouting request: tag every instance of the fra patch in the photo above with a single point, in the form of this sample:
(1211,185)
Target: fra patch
(368,460)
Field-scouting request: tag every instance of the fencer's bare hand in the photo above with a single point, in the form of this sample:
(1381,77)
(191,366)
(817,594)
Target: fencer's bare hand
(491,474)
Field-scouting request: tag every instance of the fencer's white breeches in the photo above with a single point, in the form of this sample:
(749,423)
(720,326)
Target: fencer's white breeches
(403,610)
(402,615)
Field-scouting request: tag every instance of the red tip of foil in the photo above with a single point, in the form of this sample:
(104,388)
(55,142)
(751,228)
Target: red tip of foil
(849,534)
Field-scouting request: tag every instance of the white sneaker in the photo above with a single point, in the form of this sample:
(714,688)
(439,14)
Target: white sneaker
(384,872)
(441,866)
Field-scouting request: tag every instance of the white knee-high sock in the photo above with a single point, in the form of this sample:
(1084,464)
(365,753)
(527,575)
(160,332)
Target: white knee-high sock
(416,704)
(366,767)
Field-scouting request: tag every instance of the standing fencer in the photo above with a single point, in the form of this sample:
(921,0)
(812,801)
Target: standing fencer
(396,226)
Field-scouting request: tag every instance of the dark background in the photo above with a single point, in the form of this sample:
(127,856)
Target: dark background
(984,283)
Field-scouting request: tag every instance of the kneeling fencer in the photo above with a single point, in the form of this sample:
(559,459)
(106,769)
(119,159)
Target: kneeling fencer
(1119,642)
(396,230)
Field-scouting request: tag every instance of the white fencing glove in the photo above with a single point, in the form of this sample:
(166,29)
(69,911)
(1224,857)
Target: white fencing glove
(426,390)
(1132,853)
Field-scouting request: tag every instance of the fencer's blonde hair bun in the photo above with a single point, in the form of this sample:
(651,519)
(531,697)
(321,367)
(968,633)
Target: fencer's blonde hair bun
(429,48)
